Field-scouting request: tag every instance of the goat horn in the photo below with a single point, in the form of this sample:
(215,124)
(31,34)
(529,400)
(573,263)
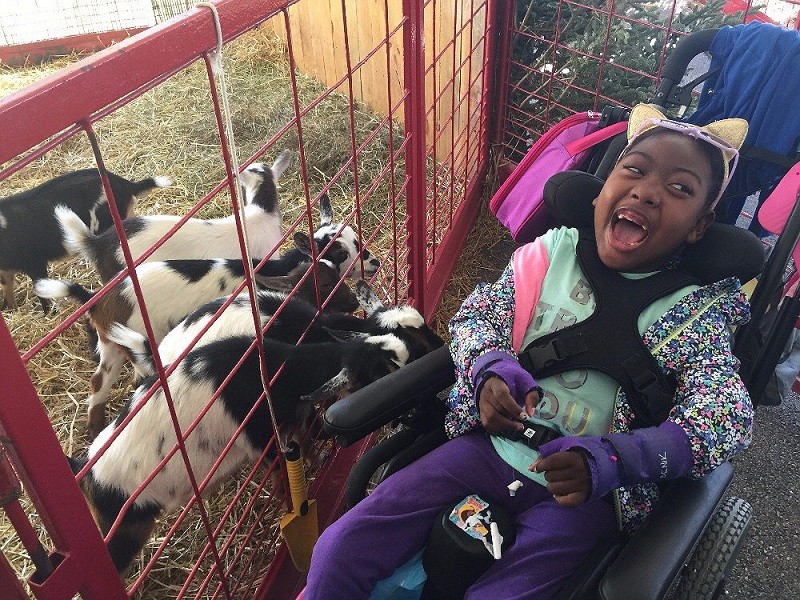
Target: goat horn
(330,388)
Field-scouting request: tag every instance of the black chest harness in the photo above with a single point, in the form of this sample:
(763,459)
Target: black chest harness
(609,340)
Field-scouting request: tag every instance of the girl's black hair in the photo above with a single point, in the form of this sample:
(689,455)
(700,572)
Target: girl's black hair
(712,153)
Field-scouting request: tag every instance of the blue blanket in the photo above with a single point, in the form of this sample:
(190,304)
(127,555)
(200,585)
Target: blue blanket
(759,80)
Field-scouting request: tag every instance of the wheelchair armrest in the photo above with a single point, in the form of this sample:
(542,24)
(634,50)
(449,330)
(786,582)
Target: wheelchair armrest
(386,399)
(654,556)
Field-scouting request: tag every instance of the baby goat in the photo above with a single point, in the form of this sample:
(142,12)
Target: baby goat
(196,238)
(335,242)
(345,240)
(173,289)
(309,372)
(29,233)
(296,319)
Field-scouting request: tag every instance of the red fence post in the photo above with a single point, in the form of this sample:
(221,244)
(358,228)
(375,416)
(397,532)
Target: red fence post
(414,85)
(10,587)
(499,32)
(86,567)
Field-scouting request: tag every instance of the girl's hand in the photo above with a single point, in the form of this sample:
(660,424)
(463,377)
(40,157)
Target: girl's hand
(500,413)
(567,477)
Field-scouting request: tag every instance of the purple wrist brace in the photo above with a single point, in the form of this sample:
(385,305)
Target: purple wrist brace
(617,460)
(506,367)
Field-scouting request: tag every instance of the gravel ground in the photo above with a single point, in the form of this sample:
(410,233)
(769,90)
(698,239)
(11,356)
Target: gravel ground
(767,475)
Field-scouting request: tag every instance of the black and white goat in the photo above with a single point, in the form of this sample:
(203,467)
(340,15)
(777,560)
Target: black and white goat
(310,372)
(295,319)
(342,239)
(196,238)
(335,242)
(172,290)
(30,236)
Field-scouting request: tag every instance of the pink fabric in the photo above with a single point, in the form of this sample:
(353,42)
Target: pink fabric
(530,266)
(518,203)
(775,210)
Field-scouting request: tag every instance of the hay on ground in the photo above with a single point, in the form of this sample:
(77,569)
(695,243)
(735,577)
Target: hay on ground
(171,131)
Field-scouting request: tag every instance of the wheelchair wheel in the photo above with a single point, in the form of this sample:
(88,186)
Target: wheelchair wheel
(388,456)
(371,468)
(710,564)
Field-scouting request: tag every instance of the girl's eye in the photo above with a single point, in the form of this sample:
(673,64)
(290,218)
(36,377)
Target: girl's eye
(684,189)
(633,169)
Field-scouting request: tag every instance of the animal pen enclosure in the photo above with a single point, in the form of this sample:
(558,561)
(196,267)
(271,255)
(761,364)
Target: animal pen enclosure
(395,110)
(379,177)
(32,31)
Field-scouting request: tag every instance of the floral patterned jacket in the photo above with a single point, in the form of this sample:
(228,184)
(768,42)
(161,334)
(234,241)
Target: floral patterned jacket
(692,340)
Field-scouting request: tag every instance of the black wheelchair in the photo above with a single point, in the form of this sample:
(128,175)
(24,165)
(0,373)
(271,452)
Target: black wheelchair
(688,543)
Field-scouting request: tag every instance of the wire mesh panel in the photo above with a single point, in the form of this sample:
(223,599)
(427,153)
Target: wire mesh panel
(570,56)
(166,9)
(438,95)
(38,30)
(24,22)
(395,140)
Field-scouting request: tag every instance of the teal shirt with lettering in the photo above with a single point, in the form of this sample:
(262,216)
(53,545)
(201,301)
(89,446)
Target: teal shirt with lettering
(579,402)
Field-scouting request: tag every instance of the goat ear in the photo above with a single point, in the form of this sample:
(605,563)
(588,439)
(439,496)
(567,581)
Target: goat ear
(332,387)
(302,242)
(367,298)
(278,283)
(325,211)
(283,162)
(76,464)
(341,335)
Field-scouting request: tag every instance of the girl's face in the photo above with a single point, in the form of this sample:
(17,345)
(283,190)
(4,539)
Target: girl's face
(652,203)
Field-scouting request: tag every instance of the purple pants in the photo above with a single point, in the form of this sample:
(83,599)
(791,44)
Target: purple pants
(384,530)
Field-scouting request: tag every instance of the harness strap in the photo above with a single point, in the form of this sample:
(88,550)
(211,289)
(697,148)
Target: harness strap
(609,340)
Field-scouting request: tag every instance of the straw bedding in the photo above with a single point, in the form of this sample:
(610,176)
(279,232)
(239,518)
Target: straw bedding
(171,131)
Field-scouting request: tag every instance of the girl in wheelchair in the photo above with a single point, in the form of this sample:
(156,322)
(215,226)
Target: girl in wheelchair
(552,392)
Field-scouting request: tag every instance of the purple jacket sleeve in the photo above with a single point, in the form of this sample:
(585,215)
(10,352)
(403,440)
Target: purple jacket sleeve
(617,460)
(506,367)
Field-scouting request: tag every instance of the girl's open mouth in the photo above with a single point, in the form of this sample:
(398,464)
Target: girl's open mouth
(628,228)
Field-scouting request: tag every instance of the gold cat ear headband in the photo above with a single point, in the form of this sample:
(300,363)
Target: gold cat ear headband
(727,135)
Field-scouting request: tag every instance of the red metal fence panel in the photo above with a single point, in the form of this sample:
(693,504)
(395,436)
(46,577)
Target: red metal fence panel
(566,56)
(413,209)
(416,98)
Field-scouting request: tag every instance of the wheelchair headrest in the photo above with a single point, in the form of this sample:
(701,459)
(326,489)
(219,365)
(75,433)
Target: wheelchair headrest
(724,250)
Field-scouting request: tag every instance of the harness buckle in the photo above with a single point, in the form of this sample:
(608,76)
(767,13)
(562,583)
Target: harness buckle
(534,435)
(641,376)
(657,398)
(554,351)
(542,356)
